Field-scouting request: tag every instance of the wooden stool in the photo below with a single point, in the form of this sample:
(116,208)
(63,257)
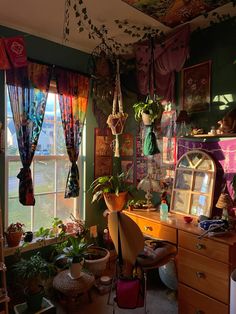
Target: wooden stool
(72,288)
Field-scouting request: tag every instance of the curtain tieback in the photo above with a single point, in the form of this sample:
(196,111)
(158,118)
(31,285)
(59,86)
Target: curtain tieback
(24,173)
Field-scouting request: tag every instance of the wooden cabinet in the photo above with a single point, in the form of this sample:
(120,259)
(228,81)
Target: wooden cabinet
(204,268)
(204,265)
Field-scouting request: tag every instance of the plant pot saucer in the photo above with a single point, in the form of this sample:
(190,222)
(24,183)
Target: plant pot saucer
(73,277)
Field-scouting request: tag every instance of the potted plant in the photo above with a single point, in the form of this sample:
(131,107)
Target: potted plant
(14,234)
(74,252)
(32,271)
(113,188)
(148,110)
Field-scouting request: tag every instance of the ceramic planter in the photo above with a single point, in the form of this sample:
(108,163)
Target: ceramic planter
(116,202)
(96,260)
(13,238)
(75,269)
(147,118)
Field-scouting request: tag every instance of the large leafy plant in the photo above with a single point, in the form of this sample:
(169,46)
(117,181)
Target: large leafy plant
(110,184)
(32,271)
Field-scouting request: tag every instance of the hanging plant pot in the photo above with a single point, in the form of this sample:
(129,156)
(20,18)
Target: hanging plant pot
(147,118)
(117,122)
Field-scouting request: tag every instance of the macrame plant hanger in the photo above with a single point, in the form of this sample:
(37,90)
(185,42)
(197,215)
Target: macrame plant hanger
(150,142)
(116,120)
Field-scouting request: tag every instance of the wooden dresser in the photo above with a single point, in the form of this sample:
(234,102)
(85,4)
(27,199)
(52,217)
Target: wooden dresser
(204,265)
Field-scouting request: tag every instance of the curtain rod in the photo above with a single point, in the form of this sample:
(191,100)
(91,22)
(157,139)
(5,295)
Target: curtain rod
(61,67)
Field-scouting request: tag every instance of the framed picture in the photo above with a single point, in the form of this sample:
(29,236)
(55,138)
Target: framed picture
(102,152)
(128,166)
(127,145)
(196,82)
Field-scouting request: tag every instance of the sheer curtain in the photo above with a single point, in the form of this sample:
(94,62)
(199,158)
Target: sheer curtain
(73,90)
(28,90)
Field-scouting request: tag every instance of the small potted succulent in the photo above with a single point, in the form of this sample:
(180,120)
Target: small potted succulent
(14,234)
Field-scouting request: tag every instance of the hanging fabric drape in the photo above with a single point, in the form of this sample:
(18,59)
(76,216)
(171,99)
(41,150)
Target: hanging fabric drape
(169,57)
(28,89)
(73,90)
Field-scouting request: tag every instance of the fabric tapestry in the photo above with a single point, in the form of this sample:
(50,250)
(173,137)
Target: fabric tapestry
(28,89)
(169,57)
(73,89)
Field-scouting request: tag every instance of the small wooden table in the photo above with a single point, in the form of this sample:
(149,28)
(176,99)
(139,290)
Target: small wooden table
(72,288)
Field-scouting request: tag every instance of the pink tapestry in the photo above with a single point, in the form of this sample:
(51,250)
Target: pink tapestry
(169,57)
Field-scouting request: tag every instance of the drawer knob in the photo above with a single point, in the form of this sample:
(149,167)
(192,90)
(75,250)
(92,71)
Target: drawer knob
(146,228)
(200,246)
(200,274)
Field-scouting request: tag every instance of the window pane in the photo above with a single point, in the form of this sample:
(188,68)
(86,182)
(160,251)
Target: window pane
(65,206)
(12,146)
(60,140)
(18,212)
(44,176)
(43,211)
(46,141)
(13,181)
(63,167)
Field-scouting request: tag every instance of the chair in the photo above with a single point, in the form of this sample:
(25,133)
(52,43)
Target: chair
(149,254)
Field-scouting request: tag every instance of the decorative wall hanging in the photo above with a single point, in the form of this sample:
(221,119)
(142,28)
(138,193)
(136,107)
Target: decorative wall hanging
(127,147)
(116,120)
(196,82)
(103,152)
(15,47)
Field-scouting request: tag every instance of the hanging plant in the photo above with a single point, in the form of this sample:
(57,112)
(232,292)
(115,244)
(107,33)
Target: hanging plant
(116,120)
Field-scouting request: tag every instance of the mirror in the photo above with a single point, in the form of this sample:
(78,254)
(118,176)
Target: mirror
(194,184)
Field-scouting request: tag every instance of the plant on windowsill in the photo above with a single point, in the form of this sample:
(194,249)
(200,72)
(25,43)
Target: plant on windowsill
(114,189)
(14,234)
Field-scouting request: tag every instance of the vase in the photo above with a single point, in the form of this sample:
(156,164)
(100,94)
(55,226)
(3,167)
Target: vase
(13,238)
(116,202)
(75,270)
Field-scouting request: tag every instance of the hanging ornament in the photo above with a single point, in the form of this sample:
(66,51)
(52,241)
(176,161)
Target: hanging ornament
(116,120)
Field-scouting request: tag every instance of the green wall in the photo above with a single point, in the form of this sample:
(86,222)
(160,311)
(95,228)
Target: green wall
(218,44)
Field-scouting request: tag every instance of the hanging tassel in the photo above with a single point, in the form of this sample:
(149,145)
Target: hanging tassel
(117,146)
(150,143)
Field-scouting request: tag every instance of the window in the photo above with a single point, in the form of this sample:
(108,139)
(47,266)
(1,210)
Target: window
(194,184)
(49,172)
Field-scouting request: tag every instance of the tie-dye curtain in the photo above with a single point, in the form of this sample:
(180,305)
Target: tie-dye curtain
(73,89)
(28,89)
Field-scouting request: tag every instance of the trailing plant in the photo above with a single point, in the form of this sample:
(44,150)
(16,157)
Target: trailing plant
(149,106)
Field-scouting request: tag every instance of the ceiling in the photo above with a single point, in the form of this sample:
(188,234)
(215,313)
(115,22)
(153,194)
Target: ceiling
(47,19)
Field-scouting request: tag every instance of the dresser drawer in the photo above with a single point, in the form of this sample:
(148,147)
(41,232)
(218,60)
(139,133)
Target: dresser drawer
(206,247)
(193,302)
(157,230)
(204,274)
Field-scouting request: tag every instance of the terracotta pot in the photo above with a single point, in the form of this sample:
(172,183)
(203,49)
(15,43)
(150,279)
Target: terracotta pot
(13,238)
(96,260)
(116,202)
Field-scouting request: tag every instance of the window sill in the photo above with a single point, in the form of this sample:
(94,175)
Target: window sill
(37,243)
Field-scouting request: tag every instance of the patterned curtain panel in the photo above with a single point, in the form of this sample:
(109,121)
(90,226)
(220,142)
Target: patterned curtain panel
(73,89)
(28,89)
